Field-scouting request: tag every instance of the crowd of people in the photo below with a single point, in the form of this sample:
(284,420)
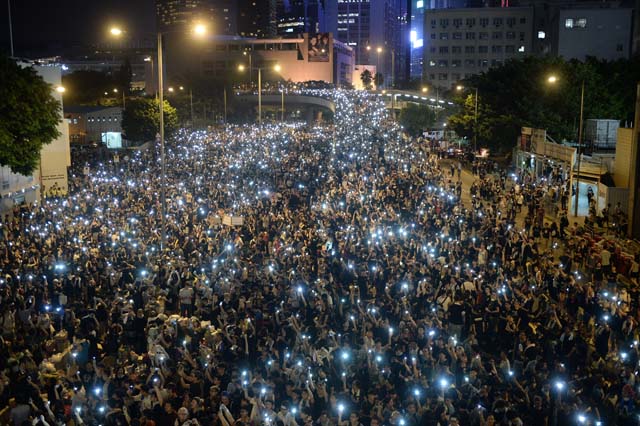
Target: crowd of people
(309,275)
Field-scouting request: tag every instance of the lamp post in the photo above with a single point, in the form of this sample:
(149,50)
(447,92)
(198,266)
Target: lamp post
(199,30)
(475,118)
(552,79)
(150,59)
(250,66)
(190,101)
(123,101)
(276,68)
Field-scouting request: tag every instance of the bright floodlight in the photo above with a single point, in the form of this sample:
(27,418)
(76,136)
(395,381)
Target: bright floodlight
(181,87)
(147,59)
(199,30)
(240,67)
(379,49)
(115,31)
(368,47)
(552,79)
(459,87)
(115,90)
(277,67)
(171,89)
(60,89)
(425,89)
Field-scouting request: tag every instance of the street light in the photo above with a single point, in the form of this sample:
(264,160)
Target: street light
(460,88)
(276,68)
(552,79)
(115,90)
(425,89)
(190,101)
(61,89)
(200,31)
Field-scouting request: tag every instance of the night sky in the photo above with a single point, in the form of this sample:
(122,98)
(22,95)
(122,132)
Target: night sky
(50,26)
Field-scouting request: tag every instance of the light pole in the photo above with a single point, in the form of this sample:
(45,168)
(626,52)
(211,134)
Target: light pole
(10,27)
(150,59)
(276,68)
(123,101)
(552,79)
(250,66)
(282,103)
(199,30)
(190,101)
(475,118)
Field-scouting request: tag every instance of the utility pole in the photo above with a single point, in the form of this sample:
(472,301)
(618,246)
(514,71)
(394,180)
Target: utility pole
(10,28)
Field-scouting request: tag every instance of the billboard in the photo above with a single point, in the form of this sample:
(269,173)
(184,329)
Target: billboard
(112,140)
(318,47)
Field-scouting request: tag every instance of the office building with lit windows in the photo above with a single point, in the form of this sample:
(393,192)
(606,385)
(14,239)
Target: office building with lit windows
(462,42)
(603,32)
(373,30)
(295,17)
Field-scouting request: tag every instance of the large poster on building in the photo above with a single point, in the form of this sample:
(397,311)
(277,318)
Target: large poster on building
(318,47)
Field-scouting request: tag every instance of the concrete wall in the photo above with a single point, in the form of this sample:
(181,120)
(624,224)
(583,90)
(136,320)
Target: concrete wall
(622,167)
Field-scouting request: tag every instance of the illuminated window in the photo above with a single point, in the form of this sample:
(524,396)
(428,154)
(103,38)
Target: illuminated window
(521,49)
(542,35)
(568,23)
(581,23)
(420,4)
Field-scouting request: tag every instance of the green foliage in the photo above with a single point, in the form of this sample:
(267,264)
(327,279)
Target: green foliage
(29,116)
(517,94)
(89,87)
(141,119)
(416,118)
(379,79)
(366,79)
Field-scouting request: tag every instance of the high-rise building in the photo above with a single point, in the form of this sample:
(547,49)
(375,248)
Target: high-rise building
(462,42)
(373,29)
(416,37)
(177,15)
(256,18)
(300,16)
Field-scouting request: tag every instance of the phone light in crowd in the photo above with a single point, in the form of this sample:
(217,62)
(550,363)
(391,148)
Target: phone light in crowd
(341,408)
(390,331)
(102,409)
(444,383)
(559,385)
(416,392)
(244,373)
(582,418)
(402,422)
(97,391)
(47,307)
(623,355)
(263,391)
(345,355)
(510,373)
(294,410)
(378,358)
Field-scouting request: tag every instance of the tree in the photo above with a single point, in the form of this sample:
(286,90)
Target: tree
(416,118)
(517,94)
(29,116)
(141,119)
(366,79)
(379,79)
(87,87)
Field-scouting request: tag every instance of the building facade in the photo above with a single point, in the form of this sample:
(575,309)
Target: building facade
(295,17)
(461,42)
(373,28)
(603,32)
(257,18)
(308,57)
(90,124)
